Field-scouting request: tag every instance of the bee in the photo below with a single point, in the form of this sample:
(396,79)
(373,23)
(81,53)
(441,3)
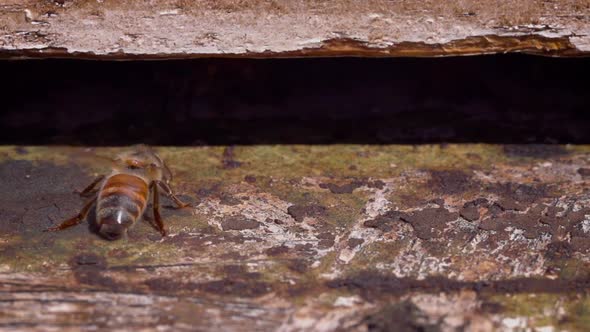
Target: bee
(123,195)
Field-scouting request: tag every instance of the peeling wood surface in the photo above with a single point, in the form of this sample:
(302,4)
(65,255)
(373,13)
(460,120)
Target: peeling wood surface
(298,238)
(184,29)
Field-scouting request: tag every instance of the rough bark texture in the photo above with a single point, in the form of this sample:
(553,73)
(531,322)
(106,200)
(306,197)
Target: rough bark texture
(292,238)
(184,29)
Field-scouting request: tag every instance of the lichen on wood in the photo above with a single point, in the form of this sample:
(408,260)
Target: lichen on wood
(299,237)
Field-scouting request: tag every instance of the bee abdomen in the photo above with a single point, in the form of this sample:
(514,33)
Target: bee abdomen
(122,200)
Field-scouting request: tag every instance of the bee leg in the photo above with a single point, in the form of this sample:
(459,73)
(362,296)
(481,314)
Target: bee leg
(91,186)
(75,220)
(168,191)
(156,206)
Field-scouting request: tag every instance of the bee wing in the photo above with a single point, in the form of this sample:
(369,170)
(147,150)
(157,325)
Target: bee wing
(167,172)
(91,159)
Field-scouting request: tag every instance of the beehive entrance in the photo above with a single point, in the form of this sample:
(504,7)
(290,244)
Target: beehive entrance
(489,99)
(378,193)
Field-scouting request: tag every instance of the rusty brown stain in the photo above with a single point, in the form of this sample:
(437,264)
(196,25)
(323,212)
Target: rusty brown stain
(343,47)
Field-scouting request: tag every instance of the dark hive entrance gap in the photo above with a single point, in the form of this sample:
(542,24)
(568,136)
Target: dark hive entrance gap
(489,99)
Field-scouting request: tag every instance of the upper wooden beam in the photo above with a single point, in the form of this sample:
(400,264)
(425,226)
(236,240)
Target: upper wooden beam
(114,29)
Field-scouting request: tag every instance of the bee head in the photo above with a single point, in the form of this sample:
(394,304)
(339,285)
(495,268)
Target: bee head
(143,161)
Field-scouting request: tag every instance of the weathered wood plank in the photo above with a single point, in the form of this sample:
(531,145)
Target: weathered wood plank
(185,29)
(315,238)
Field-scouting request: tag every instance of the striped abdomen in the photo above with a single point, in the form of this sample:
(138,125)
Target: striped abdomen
(121,202)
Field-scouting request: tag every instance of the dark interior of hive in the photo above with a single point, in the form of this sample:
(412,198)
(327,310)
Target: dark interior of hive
(489,99)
